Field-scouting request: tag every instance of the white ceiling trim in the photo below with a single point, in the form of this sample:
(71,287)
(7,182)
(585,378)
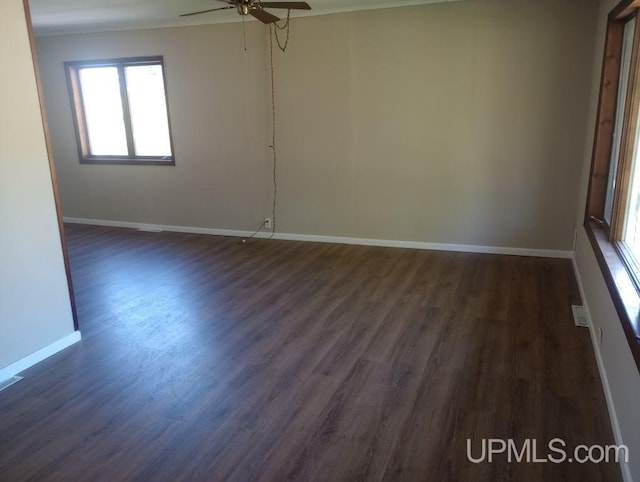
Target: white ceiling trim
(44,26)
(404,3)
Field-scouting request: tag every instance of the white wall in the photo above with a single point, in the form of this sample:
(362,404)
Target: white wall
(620,370)
(454,123)
(34,301)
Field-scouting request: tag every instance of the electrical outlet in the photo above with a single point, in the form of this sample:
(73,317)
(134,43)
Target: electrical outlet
(267,224)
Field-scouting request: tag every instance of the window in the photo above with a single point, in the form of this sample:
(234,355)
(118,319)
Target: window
(613,202)
(120,111)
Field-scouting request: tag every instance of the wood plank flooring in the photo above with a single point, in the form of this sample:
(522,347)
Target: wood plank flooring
(202,359)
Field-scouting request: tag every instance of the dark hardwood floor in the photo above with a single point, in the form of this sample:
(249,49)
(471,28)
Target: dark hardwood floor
(202,359)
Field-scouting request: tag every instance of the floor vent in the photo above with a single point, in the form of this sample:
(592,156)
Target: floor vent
(580,317)
(7,383)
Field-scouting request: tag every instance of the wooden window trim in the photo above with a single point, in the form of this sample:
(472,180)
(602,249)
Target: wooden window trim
(621,286)
(617,266)
(624,9)
(627,138)
(80,124)
(603,139)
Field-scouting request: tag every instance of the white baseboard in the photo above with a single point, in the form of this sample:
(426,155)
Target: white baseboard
(36,357)
(464,248)
(613,416)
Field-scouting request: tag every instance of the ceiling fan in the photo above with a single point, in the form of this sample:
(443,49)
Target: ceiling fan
(256,8)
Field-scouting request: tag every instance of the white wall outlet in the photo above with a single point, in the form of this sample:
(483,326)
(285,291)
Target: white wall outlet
(267,224)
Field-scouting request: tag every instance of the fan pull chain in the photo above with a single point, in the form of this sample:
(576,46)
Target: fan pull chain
(244,34)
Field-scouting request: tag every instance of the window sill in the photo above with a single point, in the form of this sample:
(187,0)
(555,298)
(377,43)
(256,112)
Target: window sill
(138,161)
(620,284)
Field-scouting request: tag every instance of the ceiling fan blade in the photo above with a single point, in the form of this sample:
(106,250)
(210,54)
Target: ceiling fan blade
(206,11)
(264,17)
(287,5)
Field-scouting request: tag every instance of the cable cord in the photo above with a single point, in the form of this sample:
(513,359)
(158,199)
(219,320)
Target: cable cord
(246,240)
(287,26)
(273,32)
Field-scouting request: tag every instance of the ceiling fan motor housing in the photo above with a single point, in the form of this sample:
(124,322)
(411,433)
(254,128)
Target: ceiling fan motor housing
(255,8)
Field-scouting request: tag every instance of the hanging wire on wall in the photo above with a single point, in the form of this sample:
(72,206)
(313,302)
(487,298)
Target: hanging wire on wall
(287,27)
(274,28)
(273,32)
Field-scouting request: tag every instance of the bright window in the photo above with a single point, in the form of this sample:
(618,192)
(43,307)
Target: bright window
(621,102)
(631,231)
(120,111)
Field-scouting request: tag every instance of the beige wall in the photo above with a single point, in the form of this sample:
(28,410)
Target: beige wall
(34,301)
(621,373)
(454,123)
(218,111)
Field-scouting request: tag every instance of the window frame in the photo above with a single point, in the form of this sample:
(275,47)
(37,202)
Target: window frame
(72,69)
(619,267)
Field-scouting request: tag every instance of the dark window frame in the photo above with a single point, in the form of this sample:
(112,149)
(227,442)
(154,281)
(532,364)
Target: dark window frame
(72,69)
(619,267)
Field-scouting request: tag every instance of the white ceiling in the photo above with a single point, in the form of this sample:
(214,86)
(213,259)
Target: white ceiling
(52,17)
